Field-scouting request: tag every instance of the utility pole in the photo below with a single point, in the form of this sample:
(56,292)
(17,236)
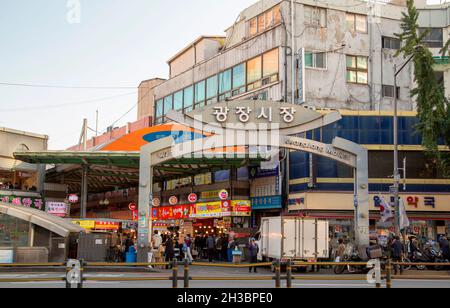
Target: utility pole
(397,177)
(96,123)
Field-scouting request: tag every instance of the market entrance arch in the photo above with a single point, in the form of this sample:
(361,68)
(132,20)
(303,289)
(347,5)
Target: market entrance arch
(251,124)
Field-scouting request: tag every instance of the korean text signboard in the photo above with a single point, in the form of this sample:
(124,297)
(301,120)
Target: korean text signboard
(34,203)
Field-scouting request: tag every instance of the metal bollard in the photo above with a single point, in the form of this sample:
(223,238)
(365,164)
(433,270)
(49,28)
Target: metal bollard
(289,274)
(186,273)
(389,274)
(174,273)
(80,285)
(277,274)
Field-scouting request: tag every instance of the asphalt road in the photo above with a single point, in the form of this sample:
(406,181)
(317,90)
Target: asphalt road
(229,273)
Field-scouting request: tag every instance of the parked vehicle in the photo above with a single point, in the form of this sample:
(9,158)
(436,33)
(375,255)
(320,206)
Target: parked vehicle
(292,238)
(350,255)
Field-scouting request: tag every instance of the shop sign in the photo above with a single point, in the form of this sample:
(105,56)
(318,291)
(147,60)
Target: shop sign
(262,203)
(6,256)
(258,172)
(173,200)
(207,209)
(172,212)
(132,206)
(60,209)
(73,198)
(297,204)
(86,224)
(156,202)
(135,215)
(107,225)
(227,222)
(34,203)
(226,208)
(241,208)
(192,198)
(223,195)
(205,195)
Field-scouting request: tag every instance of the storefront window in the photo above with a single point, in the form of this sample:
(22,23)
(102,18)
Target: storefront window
(13,231)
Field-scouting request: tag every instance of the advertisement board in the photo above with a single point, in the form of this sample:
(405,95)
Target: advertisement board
(207,209)
(34,203)
(60,209)
(241,208)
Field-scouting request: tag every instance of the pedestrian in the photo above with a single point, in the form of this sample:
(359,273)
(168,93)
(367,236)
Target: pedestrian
(210,245)
(253,251)
(231,247)
(340,252)
(156,240)
(444,245)
(169,251)
(225,248)
(187,248)
(397,254)
(412,248)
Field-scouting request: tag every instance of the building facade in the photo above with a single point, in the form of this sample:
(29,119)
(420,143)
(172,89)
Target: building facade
(343,53)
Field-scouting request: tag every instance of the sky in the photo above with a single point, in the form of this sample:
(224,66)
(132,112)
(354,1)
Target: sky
(112,45)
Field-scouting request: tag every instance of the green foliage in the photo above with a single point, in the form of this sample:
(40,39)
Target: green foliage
(432,104)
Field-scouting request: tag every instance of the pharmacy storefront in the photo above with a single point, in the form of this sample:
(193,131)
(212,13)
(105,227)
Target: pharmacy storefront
(429,214)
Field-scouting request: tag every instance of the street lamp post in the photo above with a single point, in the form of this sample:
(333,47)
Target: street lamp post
(396,167)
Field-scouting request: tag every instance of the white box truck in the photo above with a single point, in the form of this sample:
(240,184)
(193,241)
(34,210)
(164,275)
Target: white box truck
(292,238)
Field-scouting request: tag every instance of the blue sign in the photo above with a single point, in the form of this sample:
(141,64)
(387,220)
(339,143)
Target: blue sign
(257,172)
(265,203)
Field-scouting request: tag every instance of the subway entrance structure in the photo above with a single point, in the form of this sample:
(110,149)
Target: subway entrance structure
(250,128)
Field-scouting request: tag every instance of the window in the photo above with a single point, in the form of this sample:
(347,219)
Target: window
(168,104)
(388,91)
(188,99)
(316,59)
(264,21)
(357,69)
(239,79)
(178,101)
(212,88)
(254,73)
(357,23)
(434,38)
(159,112)
(200,88)
(270,63)
(391,43)
(315,16)
(253,26)
(225,81)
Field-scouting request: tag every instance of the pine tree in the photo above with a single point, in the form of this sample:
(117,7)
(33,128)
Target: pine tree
(432,104)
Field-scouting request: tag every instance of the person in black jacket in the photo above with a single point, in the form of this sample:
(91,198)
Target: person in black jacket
(445,248)
(397,253)
(170,252)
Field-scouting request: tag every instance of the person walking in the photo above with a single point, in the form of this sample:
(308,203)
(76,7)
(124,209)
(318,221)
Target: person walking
(169,251)
(210,245)
(225,249)
(253,251)
(231,247)
(156,240)
(397,254)
(412,248)
(340,252)
(187,248)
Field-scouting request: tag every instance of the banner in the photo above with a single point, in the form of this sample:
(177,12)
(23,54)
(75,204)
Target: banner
(173,212)
(34,203)
(404,220)
(208,209)
(60,209)
(241,208)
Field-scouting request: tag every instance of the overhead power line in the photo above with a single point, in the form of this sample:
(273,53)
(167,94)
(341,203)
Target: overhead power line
(8,84)
(43,107)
